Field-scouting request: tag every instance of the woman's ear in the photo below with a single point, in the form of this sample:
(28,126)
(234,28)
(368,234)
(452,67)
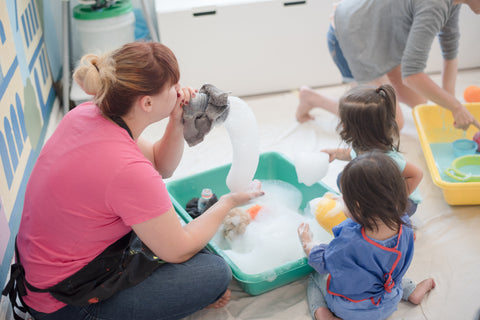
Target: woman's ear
(146,103)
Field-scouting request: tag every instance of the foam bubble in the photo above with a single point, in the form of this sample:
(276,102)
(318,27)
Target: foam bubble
(241,126)
(271,239)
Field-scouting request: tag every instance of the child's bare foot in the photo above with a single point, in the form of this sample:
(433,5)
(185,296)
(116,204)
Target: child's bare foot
(222,301)
(422,288)
(323,313)
(306,104)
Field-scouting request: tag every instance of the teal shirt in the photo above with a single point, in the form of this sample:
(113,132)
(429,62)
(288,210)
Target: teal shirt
(401,163)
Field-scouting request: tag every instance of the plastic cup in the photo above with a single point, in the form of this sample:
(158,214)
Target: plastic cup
(463,147)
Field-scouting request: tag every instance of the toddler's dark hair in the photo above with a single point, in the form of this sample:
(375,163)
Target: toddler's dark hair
(373,189)
(367,118)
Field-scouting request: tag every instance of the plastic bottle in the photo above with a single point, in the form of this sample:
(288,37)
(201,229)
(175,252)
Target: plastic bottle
(204,198)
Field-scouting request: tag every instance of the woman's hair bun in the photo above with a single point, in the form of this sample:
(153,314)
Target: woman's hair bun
(95,74)
(87,74)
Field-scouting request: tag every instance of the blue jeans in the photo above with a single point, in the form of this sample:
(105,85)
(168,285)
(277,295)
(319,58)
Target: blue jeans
(172,292)
(337,56)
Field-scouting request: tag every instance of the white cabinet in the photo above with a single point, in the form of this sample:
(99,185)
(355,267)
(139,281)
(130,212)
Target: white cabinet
(249,47)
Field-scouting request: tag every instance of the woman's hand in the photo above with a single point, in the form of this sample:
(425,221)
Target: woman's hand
(236,199)
(183,97)
(463,118)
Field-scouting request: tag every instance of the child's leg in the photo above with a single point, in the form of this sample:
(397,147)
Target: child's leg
(316,291)
(416,293)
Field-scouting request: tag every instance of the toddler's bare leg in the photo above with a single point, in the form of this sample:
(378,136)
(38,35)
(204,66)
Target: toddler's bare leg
(421,290)
(323,313)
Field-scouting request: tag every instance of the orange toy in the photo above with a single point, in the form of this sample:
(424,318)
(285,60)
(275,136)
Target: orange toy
(472,94)
(253,210)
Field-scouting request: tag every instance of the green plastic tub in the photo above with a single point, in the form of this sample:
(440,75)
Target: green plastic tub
(272,166)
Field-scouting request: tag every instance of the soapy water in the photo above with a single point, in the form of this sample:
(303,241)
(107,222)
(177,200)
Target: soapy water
(241,126)
(271,239)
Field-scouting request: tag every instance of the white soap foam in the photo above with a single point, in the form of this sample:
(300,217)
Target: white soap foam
(311,166)
(271,239)
(241,126)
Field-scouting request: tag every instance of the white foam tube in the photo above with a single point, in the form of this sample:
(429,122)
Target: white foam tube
(241,126)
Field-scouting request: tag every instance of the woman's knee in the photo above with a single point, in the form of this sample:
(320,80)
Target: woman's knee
(216,269)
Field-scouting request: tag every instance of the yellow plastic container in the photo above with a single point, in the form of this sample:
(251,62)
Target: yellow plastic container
(328,211)
(436,133)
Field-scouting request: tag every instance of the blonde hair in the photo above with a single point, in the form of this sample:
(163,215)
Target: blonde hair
(95,75)
(117,78)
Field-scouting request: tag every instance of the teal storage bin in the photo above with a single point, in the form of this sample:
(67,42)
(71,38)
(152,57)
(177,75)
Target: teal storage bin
(272,166)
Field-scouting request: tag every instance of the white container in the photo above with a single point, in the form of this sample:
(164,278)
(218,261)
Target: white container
(104,30)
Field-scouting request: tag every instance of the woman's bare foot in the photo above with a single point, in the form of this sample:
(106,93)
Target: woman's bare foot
(222,301)
(305,105)
(310,99)
(422,288)
(323,313)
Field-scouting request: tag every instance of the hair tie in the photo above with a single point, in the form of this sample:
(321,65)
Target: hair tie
(381,92)
(95,65)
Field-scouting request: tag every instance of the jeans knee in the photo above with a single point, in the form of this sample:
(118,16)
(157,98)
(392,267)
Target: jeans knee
(219,271)
(224,271)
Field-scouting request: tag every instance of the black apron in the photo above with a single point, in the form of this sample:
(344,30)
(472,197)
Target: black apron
(123,264)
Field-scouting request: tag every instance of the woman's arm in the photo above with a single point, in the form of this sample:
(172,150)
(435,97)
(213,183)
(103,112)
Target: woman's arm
(422,84)
(166,153)
(449,75)
(412,175)
(174,243)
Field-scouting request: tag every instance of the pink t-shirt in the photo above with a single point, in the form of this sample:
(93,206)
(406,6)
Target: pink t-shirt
(90,184)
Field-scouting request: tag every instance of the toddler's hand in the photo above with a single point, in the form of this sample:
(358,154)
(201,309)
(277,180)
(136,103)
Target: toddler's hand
(331,154)
(305,236)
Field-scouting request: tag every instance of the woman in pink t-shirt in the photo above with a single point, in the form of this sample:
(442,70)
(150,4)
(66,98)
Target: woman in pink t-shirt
(96,180)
